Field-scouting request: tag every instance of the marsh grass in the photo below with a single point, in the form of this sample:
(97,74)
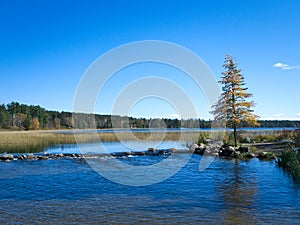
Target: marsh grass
(38,141)
(31,141)
(290,161)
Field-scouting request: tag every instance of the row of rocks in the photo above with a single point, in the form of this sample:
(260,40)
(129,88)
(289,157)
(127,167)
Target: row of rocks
(230,152)
(45,156)
(215,150)
(30,156)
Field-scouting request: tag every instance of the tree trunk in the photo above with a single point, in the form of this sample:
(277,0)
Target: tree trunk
(235,137)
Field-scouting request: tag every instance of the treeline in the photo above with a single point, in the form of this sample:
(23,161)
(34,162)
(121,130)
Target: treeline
(279,123)
(30,117)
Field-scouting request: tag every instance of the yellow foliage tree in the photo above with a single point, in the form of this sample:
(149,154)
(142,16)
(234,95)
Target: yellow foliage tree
(233,105)
(35,123)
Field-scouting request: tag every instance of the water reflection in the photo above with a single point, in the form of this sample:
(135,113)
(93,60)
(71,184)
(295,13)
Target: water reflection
(237,187)
(66,190)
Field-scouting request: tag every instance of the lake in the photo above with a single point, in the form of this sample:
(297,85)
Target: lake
(143,130)
(69,191)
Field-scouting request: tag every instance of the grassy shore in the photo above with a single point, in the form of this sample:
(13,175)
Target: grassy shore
(290,161)
(37,141)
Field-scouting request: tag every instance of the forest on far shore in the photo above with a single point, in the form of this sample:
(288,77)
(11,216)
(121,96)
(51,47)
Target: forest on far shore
(33,117)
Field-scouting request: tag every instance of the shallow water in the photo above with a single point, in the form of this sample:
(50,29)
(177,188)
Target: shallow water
(68,191)
(112,147)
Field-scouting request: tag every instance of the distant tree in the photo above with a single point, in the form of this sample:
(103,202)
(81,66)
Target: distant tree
(4,117)
(35,123)
(233,105)
(57,123)
(13,108)
(27,122)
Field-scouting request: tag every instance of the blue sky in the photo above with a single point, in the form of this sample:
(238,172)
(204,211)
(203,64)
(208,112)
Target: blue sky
(46,46)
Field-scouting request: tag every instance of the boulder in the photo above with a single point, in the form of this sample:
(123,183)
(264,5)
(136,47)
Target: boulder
(140,153)
(7,157)
(30,156)
(227,151)
(151,149)
(152,153)
(250,155)
(230,148)
(193,147)
(202,145)
(266,155)
(237,154)
(211,152)
(42,157)
(22,157)
(199,151)
(243,149)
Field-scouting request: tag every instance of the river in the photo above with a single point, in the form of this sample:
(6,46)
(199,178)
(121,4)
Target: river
(69,191)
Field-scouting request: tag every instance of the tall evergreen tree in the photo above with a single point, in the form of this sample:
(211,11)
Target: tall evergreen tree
(234,105)
(4,117)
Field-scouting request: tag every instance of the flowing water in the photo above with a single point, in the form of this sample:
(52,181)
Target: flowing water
(68,191)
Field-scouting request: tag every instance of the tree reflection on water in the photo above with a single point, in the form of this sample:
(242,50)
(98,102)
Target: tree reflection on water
(237,187)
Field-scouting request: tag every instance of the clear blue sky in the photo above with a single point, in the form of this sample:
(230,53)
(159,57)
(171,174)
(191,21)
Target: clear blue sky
(46,46)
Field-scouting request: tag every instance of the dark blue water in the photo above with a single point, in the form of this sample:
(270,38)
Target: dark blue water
(68,191)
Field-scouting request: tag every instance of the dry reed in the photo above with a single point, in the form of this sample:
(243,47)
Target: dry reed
(38,141)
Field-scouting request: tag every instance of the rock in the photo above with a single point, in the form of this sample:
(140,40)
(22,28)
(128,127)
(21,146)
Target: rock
(237,154)
(211,152)
(30,156)
(152,153)
(120,154)
(250,155)
(56,155)
(151,149)
(227,152)
(230,148)
(199,151)
(140,153)
(243,149)
(193,147)
(22,157)
(266,155)
(7,157)
(202,145)
(42,157)
(215,154)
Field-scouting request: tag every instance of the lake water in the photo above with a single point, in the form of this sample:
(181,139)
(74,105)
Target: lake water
(143,130)
(111,147)
(68,191)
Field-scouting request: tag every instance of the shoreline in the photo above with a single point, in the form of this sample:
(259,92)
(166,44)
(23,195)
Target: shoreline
(39,140)
(183,129)
(150,152)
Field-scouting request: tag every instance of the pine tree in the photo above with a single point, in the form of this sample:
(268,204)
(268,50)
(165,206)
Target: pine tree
(234,105)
